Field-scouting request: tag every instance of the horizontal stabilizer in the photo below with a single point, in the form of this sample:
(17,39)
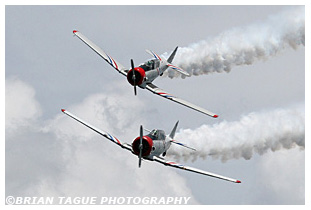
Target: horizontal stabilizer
(155,55)
(183,72)
(181,144)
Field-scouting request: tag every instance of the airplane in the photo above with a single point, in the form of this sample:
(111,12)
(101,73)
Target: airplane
(143,75)
(152,147)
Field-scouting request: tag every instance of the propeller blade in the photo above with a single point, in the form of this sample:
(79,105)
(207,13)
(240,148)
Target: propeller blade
(132,64)
(134,76)
(140,145)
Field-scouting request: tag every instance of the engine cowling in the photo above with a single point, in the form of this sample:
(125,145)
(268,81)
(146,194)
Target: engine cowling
(140,74)
(147,145)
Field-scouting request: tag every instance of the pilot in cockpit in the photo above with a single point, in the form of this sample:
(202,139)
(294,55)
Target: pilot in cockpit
(150,64)
(157,134)
(153,133)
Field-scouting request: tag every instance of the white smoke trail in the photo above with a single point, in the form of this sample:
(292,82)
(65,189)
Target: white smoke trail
(254,133)
(244,46)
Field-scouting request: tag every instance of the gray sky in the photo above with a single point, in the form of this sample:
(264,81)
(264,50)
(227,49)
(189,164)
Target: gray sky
(47,69)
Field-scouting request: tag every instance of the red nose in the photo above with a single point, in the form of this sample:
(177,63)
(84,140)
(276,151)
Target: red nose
(138,78)
(147,146)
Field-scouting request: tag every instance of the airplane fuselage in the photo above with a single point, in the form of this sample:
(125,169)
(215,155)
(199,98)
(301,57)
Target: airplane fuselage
(147,72)
(156,143)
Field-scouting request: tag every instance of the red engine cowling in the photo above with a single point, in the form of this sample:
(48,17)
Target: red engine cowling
(139,76)
(147,146)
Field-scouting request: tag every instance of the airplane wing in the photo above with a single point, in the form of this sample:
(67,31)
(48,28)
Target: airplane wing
(103,133)
(115,64)
(151,87)
(187,168)
(121,69)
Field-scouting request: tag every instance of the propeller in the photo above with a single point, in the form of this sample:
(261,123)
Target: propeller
(140,145)
(134,76)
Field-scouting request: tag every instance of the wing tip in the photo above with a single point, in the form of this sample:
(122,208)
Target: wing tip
(237,181)
(215,116)
(63,110)
(75,31)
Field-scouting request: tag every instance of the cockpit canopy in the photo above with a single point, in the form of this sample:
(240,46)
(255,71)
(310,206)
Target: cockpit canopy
(157,134)
(150,64)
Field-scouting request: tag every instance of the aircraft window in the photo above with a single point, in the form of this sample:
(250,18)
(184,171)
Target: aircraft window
(153,132)
(150,64)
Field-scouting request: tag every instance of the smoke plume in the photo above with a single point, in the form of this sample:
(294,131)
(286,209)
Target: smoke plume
(253,133)
(245,45)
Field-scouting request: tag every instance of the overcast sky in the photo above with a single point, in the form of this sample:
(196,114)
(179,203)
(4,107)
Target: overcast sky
(47,68)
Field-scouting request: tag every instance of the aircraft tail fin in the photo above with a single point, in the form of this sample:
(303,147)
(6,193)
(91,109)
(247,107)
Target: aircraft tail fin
(170,59)
(176,68)
(172,134)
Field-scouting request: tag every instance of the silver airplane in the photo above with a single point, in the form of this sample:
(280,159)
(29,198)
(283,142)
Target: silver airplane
(143,75)
(152,147)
